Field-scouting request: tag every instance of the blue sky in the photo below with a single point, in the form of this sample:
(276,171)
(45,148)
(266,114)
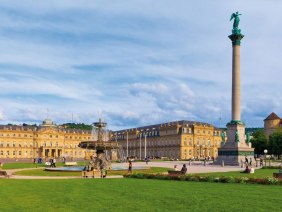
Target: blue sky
(137,62)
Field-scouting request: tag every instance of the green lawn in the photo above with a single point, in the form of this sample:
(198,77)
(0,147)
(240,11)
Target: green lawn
(32,165)
(259,173)
(42,172)
(135,195)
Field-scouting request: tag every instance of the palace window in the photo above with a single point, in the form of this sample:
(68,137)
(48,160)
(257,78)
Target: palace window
(57,144)
(31,144)
(50,136)
(20,135)
(8,135)
(25,135)
(14,152)
(190,142)
(8,153)
(14,135)
(20,152)
(7,144)
(57,136)
(14,144)
(1,144)
(1,152)
(20,145)
(198,141)
(25,144)
(190,152)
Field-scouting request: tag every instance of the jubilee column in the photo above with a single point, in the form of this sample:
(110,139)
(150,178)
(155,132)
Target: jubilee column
(237,147)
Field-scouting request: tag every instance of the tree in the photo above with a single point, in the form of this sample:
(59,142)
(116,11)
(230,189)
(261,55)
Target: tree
(259,141)
(275,143)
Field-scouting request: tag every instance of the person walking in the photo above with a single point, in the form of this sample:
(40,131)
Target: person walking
(54,162)
(130,167)
(251,160)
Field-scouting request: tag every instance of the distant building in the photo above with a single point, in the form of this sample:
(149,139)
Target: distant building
(46,140)
(180,140)
(271,123)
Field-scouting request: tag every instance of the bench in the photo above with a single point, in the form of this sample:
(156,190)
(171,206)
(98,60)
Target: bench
(175,173)
(5,174)
(70,163)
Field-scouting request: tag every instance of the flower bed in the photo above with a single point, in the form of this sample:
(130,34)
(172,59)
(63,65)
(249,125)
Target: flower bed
(209,178)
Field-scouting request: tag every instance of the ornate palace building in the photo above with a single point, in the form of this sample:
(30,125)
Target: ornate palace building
(46,140)
(180,139)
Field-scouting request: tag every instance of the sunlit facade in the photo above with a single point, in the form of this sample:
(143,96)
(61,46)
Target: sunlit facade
(46,140)
(179,140)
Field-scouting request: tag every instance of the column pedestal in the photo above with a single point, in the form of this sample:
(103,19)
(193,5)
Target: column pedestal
(234,151)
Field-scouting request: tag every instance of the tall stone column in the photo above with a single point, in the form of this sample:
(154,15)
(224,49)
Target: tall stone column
(236,148)
(236,116)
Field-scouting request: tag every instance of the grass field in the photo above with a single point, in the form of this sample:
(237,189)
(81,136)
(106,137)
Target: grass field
(135,195)
(32,165)
(41,172)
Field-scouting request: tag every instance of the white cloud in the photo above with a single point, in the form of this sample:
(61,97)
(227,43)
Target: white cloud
(142,62)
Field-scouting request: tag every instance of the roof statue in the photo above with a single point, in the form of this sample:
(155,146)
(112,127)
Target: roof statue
(236,18)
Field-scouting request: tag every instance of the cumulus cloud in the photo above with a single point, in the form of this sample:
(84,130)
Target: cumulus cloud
(139,63)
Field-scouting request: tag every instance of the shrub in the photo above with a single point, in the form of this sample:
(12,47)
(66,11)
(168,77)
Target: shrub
(209,178)
(241,179)
(227,179)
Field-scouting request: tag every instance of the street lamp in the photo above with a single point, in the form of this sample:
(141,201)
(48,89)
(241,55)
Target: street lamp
(145,144)
(127,145)
(140,145)
(265,152)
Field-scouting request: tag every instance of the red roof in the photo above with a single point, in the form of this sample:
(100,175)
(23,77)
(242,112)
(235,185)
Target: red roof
(272,116)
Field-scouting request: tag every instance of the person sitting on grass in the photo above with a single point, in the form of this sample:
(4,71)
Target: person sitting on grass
(247,170)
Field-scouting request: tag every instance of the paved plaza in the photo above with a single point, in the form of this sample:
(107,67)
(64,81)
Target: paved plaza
(195,167)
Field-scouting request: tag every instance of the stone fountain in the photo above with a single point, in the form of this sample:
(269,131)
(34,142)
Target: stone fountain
(100,144)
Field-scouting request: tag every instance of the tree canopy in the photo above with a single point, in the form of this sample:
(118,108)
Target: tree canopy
(275,142)
(79,126)
(259,141)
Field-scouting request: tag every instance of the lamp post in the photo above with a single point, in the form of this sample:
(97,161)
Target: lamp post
(265,152)
(145,148)
(140,146)
(126,144)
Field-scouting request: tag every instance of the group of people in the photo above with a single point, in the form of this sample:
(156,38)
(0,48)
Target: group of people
(38,160)
(183,169)
(52,162)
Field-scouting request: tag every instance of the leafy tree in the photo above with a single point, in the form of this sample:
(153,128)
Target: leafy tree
(275,142)
(79,126)
(259,141)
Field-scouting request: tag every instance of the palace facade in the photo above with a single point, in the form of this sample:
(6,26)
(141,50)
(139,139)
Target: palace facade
(46,140)
(179,140)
